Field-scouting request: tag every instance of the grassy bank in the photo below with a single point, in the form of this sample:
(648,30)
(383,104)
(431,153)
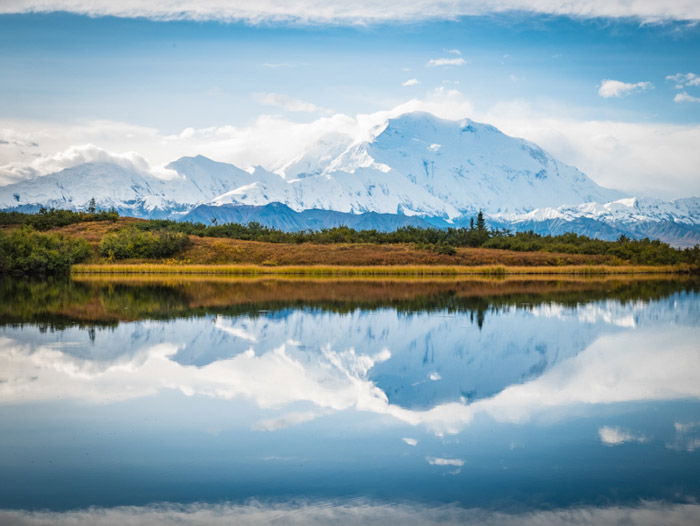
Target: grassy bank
(374,270)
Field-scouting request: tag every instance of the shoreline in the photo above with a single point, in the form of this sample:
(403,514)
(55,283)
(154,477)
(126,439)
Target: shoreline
(371,270)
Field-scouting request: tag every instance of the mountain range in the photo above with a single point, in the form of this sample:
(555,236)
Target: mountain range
(416,169)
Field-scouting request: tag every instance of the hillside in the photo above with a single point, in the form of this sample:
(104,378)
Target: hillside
(216,250)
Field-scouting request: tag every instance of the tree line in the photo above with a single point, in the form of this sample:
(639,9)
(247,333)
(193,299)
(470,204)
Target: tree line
(48,218)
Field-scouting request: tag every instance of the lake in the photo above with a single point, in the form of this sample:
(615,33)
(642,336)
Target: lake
(298,401)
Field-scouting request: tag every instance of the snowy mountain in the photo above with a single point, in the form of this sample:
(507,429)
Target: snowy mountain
(628,210)
(471,166)
(421,165)
(676,222)
(415,166)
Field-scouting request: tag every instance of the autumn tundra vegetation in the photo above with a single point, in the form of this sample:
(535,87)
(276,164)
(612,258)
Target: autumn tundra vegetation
(50,241)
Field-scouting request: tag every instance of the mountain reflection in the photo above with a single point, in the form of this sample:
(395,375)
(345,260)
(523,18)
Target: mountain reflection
(415,351)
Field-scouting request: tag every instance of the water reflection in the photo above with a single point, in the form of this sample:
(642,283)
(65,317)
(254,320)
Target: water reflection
(482,384)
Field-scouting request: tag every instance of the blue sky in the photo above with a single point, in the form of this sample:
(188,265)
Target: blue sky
(532,74)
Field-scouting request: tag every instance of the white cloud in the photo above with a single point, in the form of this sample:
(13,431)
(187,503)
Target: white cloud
(614,436)
(410,441)
(601,374)
(454,52)
(288,103)
(687,437)
(684,80)
(642,158)
(615,88)
(410,82)
(354,512)
(684,427)
(75,155)
(685,97)
(356,12)
(437,461)
(445,61)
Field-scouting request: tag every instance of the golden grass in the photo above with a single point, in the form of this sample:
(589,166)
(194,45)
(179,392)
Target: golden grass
(374,270)
(185,279)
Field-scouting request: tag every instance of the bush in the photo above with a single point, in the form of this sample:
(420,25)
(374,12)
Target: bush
(26,251)
(444,249)
(135,243)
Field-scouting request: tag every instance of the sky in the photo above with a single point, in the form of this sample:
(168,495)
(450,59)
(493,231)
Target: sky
(611,87)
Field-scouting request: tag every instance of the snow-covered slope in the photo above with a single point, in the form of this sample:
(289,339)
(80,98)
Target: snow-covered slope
(674,222)
(196,180)
(472,166)
(365,190)
(74,187)
(628,210)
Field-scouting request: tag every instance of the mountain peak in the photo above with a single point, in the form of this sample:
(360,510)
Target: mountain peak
(420,124)
(196,160)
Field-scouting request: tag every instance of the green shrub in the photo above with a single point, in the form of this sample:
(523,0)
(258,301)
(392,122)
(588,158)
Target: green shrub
(136,243)
(444,249)
(26,251)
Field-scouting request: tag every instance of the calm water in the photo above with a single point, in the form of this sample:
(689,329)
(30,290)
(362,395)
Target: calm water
(313,402)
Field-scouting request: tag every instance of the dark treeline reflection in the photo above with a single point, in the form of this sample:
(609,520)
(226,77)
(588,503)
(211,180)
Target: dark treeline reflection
(57,304)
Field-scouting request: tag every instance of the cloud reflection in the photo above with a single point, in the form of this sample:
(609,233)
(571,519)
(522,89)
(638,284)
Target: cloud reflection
(354,512)
(649,356)
(615,436)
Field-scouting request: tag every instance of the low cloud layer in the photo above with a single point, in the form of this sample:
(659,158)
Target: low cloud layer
(646,159)
(288,103)
(355,512)
(356,12)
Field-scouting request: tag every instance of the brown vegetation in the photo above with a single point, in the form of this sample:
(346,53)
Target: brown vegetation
(209,250)
(227,291)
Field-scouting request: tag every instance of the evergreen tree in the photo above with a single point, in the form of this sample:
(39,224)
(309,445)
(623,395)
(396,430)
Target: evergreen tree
(480,222)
